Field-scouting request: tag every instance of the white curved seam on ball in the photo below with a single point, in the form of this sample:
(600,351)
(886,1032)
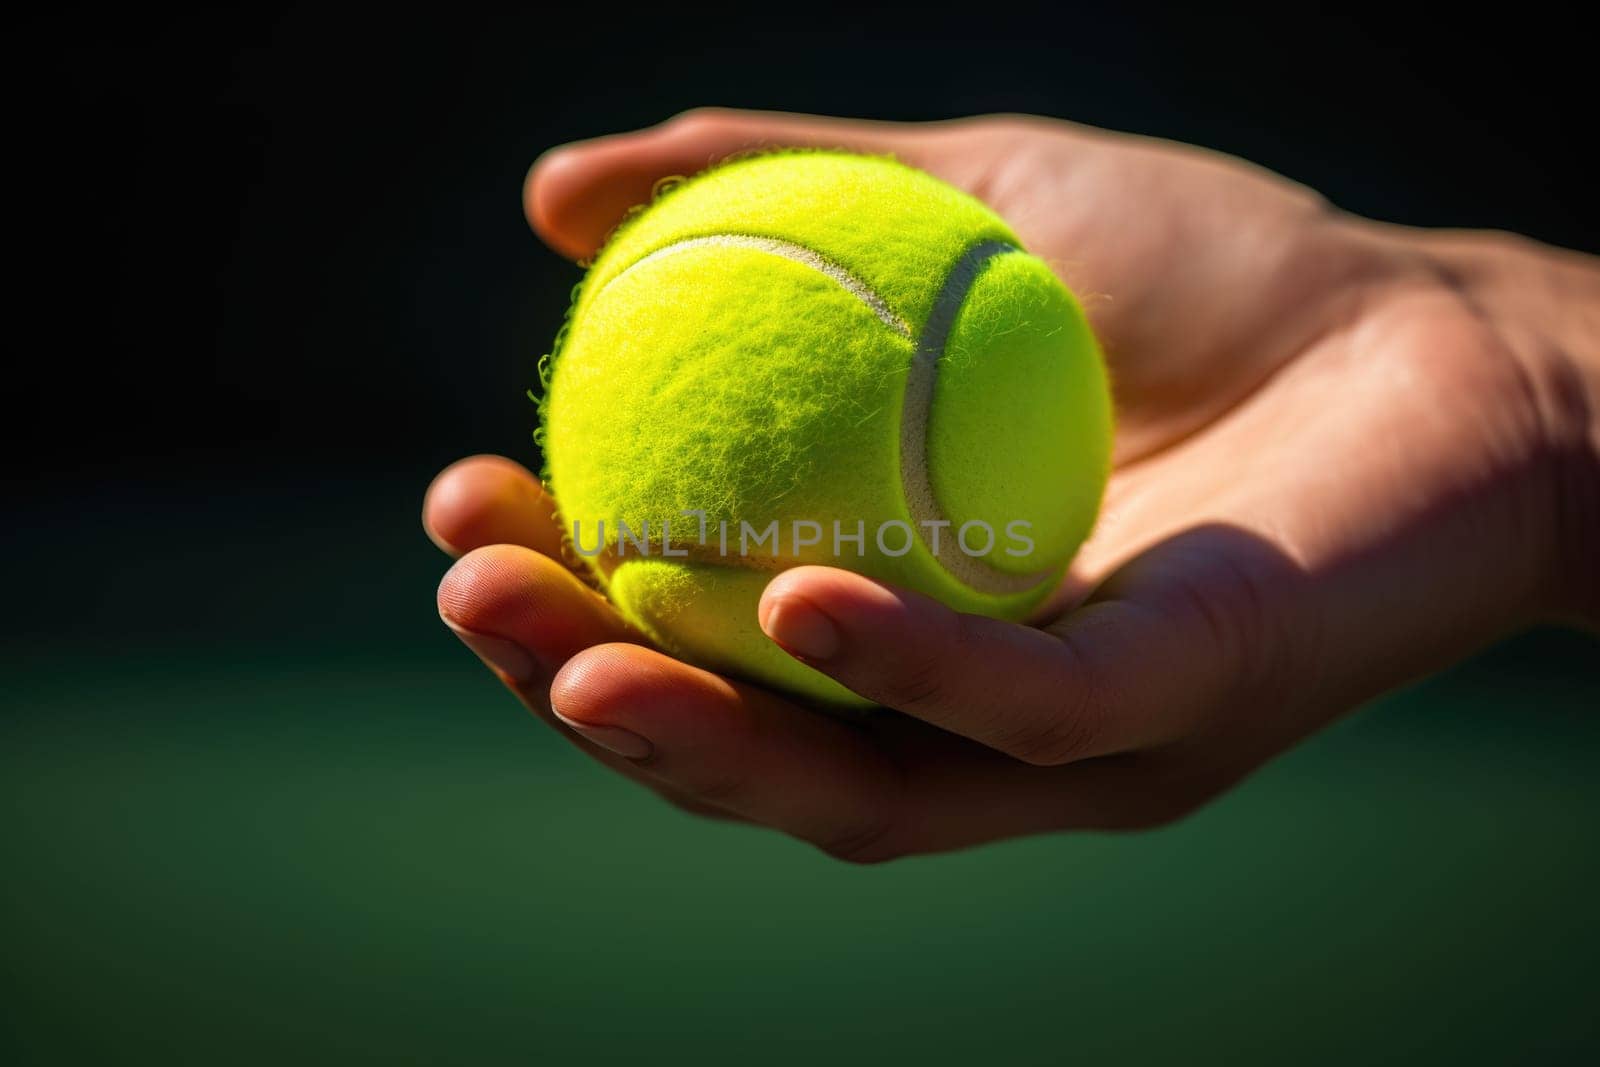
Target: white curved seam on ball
(916,413)
(917,406)
(788,250)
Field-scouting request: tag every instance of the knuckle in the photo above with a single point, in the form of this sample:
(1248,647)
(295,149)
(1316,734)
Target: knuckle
(917,685)
(920,678)
(697,120)
(1051,742)
(1237,599)
(1075,727)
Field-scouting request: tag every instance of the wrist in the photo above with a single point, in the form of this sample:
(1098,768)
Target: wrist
(1544,305)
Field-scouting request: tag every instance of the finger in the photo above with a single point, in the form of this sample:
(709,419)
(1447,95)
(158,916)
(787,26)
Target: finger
(887,788)
(577,193)
(490,500)
(528,613)
(524,616)
(1011,688)
(1164,645)
(736,747)
(706,744)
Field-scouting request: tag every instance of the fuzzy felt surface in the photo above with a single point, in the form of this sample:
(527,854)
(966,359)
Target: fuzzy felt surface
(897,229)
(747,348)
(706,614)
(1020,424)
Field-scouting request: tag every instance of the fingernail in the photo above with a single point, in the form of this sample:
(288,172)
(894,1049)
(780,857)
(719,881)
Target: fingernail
(801,629)
(624,743)
(507,657)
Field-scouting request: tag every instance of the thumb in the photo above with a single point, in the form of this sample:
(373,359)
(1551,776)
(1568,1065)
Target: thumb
(1169,644)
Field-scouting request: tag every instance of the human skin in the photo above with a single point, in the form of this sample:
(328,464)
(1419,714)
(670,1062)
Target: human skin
(1347,454)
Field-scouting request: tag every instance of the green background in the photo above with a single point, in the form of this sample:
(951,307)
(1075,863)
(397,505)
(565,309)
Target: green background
(296,821)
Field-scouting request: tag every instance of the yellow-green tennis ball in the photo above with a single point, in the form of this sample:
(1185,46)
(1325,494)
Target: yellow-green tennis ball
(820,345)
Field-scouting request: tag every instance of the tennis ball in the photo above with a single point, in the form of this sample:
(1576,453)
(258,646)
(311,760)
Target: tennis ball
(817,357)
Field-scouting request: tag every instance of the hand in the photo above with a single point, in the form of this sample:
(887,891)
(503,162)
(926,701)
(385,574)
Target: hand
(1347,455)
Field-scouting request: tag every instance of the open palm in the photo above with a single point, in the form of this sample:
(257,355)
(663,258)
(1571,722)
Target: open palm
(1332,475)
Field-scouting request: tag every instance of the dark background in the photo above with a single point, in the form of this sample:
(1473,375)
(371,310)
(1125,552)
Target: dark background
(257,802)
